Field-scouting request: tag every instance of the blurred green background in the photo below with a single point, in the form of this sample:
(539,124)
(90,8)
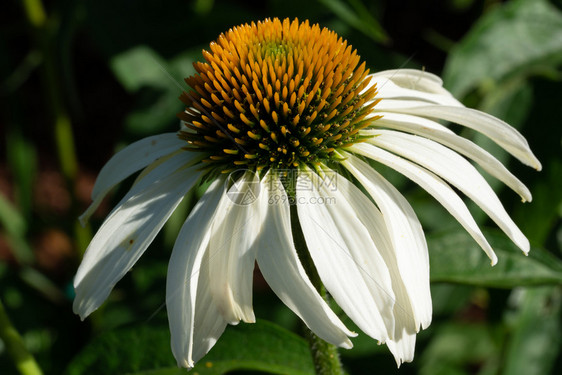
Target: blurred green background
(80,79)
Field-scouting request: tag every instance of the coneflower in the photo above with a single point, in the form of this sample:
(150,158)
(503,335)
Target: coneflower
(287,125)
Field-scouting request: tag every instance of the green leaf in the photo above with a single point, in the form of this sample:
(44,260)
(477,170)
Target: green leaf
(15,227)
(455,257)
(138,67)
(262,346)
(519,37)
(155,112)
(540,218)
(22,160)
(145,350)
(534,342)
(157,84)
(447,299)
(10,218)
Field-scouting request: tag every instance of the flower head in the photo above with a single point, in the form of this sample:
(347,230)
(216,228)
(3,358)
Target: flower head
(276,95)
(287,126)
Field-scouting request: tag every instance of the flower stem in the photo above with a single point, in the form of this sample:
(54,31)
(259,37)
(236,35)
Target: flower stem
(325,355)
(23,360)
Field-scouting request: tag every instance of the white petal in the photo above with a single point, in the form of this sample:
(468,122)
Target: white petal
(412,84)
(345,256)
(406,234)
(156,171)
(387,89)
(159,169)
(497,130)
(403,347)
(209,322)
(184,270)
(128,161)
(437,132)
(413,79)
(434,186)
(232,256)
(124,236)
(457,171)
(403,342)
(282,269)
(133,158)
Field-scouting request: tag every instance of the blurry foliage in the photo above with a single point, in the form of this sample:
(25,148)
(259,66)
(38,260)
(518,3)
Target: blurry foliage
(514,41)
(467,264)
(118,68)
(260,346)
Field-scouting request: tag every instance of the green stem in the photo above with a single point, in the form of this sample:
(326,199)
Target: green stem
(35,13)
(23,360)
(325,355)
(63,133)
(64,137)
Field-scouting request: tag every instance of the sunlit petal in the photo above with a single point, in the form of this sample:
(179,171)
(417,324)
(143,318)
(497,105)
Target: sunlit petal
(434,186)
(282,269)
(373,220)
(184,271)
(231,252)
(128,161)
(439,133)
(457,171)
(124,237)
(497,130)
(406,235)
(345,256)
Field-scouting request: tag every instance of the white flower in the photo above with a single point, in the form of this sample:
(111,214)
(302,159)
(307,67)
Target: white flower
(367,246)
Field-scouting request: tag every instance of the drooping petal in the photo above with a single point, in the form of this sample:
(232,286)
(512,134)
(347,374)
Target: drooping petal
(345,256)
(159,169)
(497,130)
(128,161)
(209,322)
(402,348)
(406,234)
(282,269)
(232,255)
(124,236)
(439,133)
(457,171)
(387,89)
(413,79)
(434,186)
(184,273)
(403,341)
